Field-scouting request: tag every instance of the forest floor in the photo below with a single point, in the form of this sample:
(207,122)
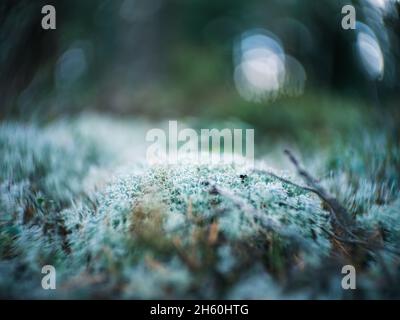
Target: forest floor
(78,195)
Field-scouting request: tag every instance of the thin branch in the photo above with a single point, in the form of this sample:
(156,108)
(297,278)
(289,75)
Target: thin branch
(340,212)
(337,209)
(266,222)
(322,195)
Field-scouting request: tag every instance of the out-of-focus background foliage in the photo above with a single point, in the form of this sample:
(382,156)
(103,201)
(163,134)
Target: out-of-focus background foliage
(169,58)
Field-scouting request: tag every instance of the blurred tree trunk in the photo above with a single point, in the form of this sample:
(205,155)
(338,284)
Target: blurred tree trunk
(24,47)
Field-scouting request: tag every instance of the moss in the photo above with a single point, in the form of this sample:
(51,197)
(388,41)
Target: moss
(75,196)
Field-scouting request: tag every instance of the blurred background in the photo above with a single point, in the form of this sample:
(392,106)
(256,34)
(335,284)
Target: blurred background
(277,65)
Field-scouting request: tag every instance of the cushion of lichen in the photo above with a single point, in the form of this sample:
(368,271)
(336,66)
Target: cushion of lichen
(168,214)
(118,229)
